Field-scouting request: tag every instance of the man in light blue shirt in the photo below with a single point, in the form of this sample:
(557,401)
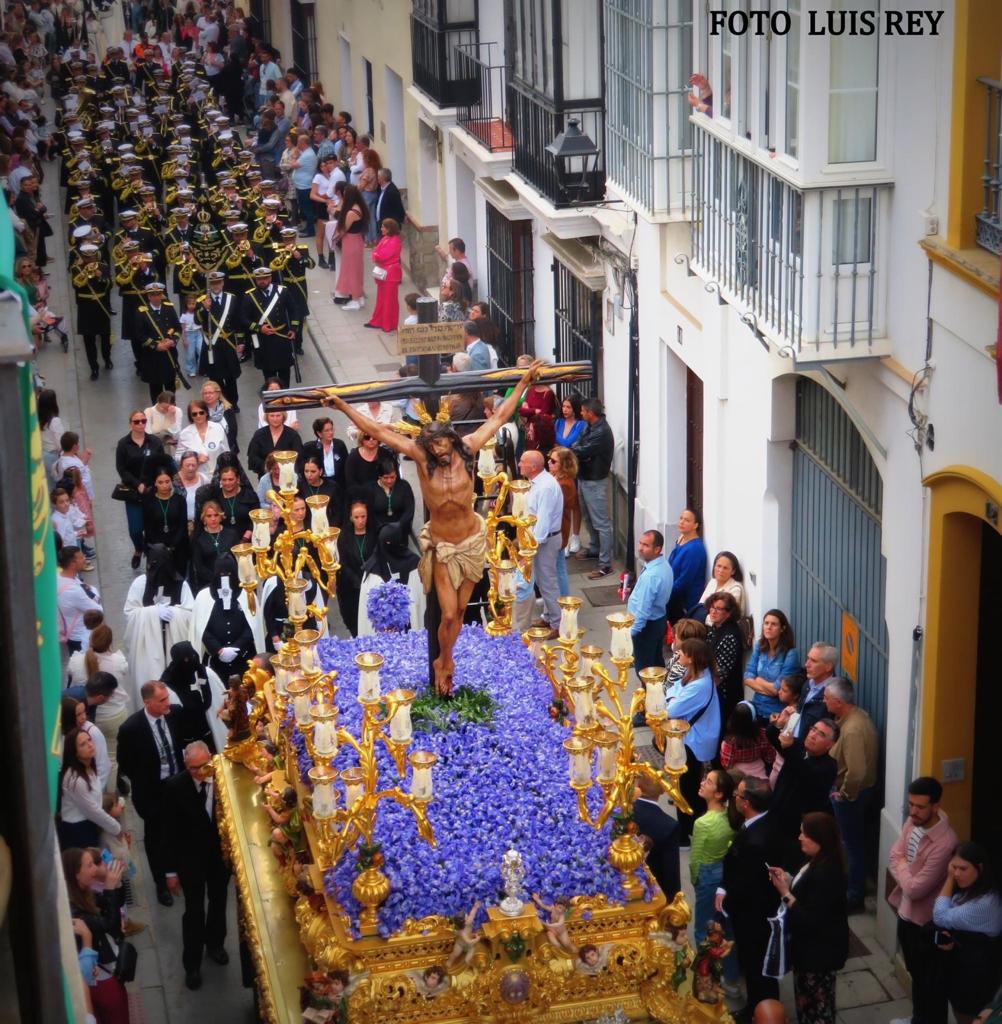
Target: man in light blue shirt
(479,353)
(649,601)
(546,503)
(304,167)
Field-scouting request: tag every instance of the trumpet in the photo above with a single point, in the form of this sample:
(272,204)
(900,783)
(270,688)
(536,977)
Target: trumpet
(124,277)
(281,260)
(85,272)
(234,259)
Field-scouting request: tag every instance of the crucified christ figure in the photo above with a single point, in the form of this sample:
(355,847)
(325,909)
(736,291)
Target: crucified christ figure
(454,539)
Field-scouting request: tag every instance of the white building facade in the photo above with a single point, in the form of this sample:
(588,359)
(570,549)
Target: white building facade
(793,296)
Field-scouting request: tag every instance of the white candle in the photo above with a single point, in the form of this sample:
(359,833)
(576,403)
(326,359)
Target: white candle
(325,738)
(245,567)
(606,764)
(308,658)
(580,768)
(400,724)
(324,800)
(506,581)
(519,498)
(352,792)
(287,476)
(421,787)
(568,623)
(296,603)
(301,708)
(675,753)
(318,521)
(281,680)
(368,684)
(584,708)
(621,646)
(654,701)
(485,462)
(330,543)
(260,536)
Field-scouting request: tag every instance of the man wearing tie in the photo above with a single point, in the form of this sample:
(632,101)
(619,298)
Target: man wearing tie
(149,753)
(157,333)
(194,860)
(218,315)
(388,202)
(268,319)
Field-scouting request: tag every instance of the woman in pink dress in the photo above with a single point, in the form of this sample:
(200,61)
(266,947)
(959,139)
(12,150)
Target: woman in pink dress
(352,218)
(386,255)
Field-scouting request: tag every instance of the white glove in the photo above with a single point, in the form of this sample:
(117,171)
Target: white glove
(166,612)
(228,654)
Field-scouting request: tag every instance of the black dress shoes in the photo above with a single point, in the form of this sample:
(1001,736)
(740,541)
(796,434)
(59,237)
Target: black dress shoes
(193,979)
(164,898)
(218,956)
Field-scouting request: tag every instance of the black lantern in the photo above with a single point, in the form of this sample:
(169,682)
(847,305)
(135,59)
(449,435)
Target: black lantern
(576,157)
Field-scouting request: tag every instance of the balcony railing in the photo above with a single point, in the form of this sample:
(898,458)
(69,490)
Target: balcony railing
(804,265)
(535,123)
(434,61)
(989,227)
(484,115)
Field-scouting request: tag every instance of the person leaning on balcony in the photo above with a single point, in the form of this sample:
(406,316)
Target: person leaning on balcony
(703,102)
(918,864)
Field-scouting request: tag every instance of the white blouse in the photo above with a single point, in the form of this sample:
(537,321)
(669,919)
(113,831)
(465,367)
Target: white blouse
(115,663)
(213,445)
(732,587)
(82,802)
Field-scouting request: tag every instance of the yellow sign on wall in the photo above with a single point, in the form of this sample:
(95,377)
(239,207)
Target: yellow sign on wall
(850,647)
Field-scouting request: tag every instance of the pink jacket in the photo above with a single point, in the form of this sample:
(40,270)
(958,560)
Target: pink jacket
(919,883)
(387,255)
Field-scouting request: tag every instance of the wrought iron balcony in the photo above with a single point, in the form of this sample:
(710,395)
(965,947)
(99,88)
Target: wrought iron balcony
(535,123)
(805,266)
(482,111)
(434,64)
(989,227)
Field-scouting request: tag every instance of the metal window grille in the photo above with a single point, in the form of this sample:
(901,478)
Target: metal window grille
(748,236)
(261,9)
(304,39)
(509,276)
(988,227)
(482,111)
(433,48)
(577,320)
(648,60)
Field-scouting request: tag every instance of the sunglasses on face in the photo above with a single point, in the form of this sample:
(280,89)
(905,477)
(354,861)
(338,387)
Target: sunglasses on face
(196,413)
(139,421)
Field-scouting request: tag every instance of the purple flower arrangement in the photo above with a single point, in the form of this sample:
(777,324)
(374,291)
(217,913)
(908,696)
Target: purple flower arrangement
(496,786)
(389,607)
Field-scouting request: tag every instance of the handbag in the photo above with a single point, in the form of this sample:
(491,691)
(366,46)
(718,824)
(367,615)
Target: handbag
(379,273)
(125,965)
(124,492)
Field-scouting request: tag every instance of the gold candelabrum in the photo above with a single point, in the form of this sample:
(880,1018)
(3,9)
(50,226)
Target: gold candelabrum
(595,703)
(289,552)
(505,553)
(343,820)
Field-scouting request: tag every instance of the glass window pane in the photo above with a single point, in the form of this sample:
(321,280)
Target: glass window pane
(793,79)
(851,231)
(852,97)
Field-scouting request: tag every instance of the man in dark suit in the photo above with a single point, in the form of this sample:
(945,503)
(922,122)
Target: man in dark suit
(659,832)
(266,315)
(194,861)
(388,202)
(149,753)
(804,782)
(746,894)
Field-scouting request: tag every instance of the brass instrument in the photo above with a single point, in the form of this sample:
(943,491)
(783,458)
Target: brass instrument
(173,252)
(188,266)
(85,272)
(281,260)
(126,274)
(262,233)
(118,183)
(118,253)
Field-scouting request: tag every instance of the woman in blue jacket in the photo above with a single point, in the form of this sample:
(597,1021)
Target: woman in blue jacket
(772,659)
(688,565)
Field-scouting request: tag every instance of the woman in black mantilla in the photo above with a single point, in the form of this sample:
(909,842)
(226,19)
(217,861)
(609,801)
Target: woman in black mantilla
(210,540)
(355,546)
(313,482)
(227,637)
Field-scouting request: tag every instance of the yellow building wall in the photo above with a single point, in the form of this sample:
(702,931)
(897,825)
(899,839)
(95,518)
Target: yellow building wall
(957,512)
(377,30)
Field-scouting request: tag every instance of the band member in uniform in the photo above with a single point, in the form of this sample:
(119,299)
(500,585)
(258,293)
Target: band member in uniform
(158,330)
(132,279)
(292,263)
(91,281)
(219,315)
(268,322)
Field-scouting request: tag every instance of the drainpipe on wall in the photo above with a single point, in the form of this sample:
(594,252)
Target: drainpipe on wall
(632,419)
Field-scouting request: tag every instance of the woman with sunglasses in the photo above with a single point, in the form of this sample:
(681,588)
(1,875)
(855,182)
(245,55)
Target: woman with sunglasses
(138,457)
(563,466)
(202,436)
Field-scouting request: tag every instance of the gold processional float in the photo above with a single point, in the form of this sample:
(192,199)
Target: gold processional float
(310,963)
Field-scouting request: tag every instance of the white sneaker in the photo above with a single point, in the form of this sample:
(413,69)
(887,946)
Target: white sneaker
(354,304)
(574,544)
(361,301)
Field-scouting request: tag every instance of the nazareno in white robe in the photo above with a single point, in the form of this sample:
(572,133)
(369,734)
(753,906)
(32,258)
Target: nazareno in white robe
(148,639)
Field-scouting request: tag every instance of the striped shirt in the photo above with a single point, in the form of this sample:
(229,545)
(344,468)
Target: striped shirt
(914,838)
(983,914)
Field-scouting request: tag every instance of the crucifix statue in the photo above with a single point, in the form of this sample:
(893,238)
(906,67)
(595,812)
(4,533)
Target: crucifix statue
(453,540)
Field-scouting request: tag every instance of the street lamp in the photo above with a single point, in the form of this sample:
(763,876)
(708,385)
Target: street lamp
(576,157)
